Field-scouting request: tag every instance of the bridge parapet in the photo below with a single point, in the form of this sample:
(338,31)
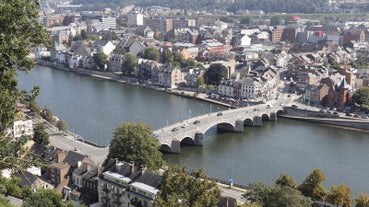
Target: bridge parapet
(195,127)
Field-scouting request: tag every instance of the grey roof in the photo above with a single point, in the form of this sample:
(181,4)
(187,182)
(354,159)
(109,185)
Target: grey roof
(73,157)
(26,178)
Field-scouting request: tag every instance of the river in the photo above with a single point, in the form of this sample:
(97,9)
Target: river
(93,108)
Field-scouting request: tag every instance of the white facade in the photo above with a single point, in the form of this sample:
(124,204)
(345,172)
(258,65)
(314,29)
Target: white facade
(108,48)
(226,88)
(41,52)
(135,19)
(250,89)
(22,127)
(109,22)
(75,61)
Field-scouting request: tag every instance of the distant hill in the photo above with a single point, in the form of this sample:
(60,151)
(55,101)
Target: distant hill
(287,6)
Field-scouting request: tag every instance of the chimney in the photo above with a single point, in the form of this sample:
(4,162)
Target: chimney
(132,167)
(143,169)
(99,168)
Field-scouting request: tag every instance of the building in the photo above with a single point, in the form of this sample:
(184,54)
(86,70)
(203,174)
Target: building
(135,19)
(22,128)
(123,184)
(109,22)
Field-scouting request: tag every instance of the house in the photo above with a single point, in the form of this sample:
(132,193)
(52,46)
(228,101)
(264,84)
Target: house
(103,46)
(27,179)
(241,40)
(115,63)
(85,177)
(22,128)
(124,184)
(170,77)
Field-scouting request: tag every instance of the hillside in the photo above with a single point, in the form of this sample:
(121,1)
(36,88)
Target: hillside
(288,6)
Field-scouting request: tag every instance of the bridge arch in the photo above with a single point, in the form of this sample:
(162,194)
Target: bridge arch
(265,117)
(280,112)
(226,126)
(165,148)
(187,141)
(248,122)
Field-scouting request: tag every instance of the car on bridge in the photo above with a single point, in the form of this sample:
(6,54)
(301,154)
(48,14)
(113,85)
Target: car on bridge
(196,122)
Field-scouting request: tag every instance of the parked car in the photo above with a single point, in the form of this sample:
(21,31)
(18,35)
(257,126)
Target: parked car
(294,106)
(219,114)
(174,129)
(184,125)
(196,122)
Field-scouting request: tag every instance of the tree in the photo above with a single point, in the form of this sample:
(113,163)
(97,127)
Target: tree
(47,115)
(200,82)
(286,180)
(61,125)
(46,197)
(215,73)
(129,64)
(312,186)
(136,142)
(277,196)
(181,189)
(361,96)
(40,136)
(246,21)
(84,34)
(275,20)
(21,34)
(152,54)
(362,200)
(100,60)
(167,57)
(340,195)
(5,202)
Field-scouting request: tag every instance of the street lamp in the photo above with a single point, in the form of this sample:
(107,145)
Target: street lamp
(230,177)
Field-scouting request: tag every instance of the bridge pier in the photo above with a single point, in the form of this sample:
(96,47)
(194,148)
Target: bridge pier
(199,139)
(258,121)
(176,147)
(273,116)
(239,126)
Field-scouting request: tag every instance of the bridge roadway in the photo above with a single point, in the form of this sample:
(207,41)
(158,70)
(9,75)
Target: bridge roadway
(191,131)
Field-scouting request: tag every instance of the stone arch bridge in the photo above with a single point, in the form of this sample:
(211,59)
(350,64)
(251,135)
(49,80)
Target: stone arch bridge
(191,131)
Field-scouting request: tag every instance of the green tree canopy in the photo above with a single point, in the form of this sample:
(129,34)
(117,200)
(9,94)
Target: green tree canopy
(312,186)
(100,59)
(277,196)
(340,195)
(362,200)
(152,54)
(184,190)
(20,34)
(286,180)
(61,125)
(215,73)
(40,136)
(47,115)
(129,64)
(361,96)
(136,142)
(46,197)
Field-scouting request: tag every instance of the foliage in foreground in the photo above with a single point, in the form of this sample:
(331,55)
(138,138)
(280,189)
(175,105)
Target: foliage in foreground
(183,190)
(136,142)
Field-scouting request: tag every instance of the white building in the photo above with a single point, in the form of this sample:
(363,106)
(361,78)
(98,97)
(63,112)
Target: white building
(123,184)
(135,19)
(22,127)
(109,22)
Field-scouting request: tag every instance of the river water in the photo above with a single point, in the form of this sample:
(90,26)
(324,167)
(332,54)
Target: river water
(93,108)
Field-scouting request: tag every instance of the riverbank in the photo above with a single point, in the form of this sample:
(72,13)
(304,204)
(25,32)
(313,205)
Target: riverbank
(131,81)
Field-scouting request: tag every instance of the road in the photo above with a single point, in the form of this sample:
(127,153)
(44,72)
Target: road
(69,142)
